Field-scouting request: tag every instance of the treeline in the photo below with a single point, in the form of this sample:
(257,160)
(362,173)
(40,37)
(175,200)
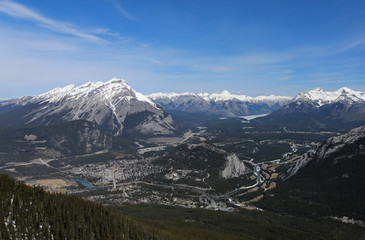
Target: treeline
(248,225)
(31,213)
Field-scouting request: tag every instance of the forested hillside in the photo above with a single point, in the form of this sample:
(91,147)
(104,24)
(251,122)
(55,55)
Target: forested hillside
(327,182)
(31,213)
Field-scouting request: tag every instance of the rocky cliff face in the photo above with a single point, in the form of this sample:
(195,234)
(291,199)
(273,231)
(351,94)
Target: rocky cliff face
(233,168)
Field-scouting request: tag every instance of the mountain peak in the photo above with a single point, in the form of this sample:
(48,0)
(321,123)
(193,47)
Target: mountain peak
(117,80)
(344,90)
(317,89)
(225,92)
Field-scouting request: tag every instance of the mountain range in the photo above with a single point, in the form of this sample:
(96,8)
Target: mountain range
(118,109)
(223,104)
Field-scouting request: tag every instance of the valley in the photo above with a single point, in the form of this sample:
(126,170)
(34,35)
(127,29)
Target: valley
(131,176)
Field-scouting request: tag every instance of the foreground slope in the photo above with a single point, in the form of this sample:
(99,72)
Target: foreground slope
(327,181)
(31,213)
(111,105)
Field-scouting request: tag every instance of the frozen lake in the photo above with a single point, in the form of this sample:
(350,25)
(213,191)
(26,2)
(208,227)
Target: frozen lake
(250,117)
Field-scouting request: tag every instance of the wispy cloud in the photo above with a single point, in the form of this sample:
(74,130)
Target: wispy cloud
(349,46)
(333,80)
(285,78)
(20,11)
(105,31)
(124,12)
(338,47)
(115,35)
(156,61)
(331,77)
(288,71)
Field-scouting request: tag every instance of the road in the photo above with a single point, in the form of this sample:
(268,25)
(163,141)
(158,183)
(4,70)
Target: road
(259,180)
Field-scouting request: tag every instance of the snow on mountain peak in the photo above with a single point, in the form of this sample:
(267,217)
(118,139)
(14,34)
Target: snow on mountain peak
(225,92)
(322,97)
(117,80)
(223,96)
(221,104)
(226,96)
(112,90)
(345,90)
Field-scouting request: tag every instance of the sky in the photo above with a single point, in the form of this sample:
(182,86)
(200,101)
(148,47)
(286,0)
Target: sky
(244,46)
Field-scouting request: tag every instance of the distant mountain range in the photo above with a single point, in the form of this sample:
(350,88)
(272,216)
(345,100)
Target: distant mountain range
(114,106)
(318,109)
(223,104)
(118,109)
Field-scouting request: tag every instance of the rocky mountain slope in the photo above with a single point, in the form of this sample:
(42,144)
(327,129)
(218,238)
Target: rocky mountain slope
(219,104)
(109,105)
(72,138)
(327,181)
(318,109)
(335,150)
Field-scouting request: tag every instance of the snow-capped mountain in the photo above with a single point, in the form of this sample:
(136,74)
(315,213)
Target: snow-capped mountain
(220,104)
(114,106)
(319,109)
(319,97)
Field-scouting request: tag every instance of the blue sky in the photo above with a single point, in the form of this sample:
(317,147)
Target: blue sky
(244,46)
